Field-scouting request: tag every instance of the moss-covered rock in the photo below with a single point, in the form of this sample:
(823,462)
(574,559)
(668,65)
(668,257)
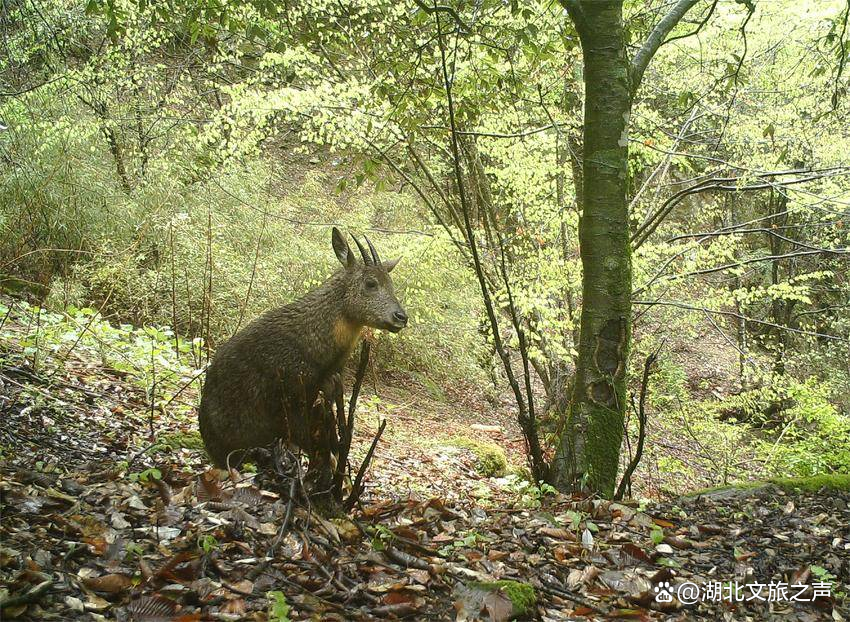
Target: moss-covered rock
(522,595)
(181,440)
(833,481)
(490,459)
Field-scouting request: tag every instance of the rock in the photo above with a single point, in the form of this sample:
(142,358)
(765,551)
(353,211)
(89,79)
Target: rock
(490,429)
(502,600)
(490,458)
(521,596)
(74,604)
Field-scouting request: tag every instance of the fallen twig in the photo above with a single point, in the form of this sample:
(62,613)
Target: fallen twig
(406,559)
(28,597)
(284,526)
(558,590)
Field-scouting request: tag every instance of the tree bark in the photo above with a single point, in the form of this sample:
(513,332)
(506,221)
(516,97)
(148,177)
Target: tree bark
(589,449)
(780,309)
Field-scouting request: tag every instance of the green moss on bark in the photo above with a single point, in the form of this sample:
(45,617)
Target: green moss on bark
(834,481)
(605,435)
(588,452)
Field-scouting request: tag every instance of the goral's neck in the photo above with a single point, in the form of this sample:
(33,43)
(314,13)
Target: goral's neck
(334,334)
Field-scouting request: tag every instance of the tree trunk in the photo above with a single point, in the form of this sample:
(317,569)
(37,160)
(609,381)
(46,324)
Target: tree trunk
(589,450)
(780,309)
(730,206)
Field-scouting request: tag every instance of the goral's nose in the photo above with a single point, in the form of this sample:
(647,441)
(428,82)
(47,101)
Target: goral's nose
(400,317)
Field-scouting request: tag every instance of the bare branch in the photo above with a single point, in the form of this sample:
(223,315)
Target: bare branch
(842,60)
(576,14)
(661,170)
(357,486)
(538,465)
(746,262)
(523,134)
(728,184)
(626,481)
(699,27)
(656,39)
(689,307)
(386,158)
(713,234)
(440,8)
(417,160)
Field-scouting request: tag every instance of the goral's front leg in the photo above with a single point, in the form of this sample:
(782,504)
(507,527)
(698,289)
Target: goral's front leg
(331,388)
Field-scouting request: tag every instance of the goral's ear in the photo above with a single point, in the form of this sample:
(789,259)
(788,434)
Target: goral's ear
(341,248)
(389,265)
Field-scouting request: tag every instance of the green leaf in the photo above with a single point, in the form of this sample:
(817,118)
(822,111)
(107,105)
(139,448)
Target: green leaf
(278,607)
(769,131)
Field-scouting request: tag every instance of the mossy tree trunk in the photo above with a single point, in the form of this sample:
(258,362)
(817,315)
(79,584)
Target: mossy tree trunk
(588,452)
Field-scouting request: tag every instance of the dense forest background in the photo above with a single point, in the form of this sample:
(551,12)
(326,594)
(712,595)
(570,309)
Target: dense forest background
(180,168)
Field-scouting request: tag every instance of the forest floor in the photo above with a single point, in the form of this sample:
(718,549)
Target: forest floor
(111,512)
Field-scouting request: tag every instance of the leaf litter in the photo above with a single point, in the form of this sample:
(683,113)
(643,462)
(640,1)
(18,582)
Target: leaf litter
(95,528)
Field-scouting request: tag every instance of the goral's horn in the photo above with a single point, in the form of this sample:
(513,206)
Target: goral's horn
(366,259)
(375,256)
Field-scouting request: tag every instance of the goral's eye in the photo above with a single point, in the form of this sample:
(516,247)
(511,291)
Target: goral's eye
(371,283)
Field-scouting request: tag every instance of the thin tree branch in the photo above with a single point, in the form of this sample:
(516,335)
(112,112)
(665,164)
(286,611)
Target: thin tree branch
(357,486)
(842,60)
(699,27)
(683,305)
(576,14)
(522,134)
(821,310)
(661,170)
(771,232)
(641,59)
(470,234)
(626,481)
(745,262)
(727,184)
(251,280)
(440,8)
(430,177)
(345,422)
(529,426)
(418,191)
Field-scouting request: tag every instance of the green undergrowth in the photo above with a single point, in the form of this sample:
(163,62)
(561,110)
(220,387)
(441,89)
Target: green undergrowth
(835,481)
(151,358)
(779,426)
(149,267)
